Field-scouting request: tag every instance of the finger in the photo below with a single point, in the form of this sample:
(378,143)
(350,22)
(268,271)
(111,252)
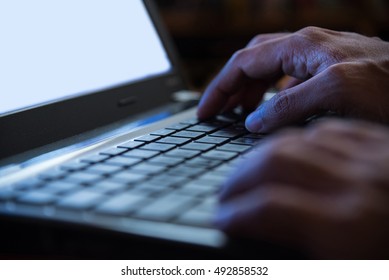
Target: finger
(293,55)
(259,63)
(281,213)
(288,159)
(293,105)
(351,129)
(252,94)
(259,39)
(248,97)
(220,91)
(349,139)
(288,82)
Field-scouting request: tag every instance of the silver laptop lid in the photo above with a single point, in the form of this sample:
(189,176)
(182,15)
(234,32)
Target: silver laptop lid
(55,50)
(71,66)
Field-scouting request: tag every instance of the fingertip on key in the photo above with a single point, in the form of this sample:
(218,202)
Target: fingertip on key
(254,123)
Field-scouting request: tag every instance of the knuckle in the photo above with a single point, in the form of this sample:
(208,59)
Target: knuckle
(237,59)
(282,104)
(270,203)
(312,36)
(274,154)
(321,129)
(309,35)
(321,41)
(377,38)
(256,40)
(281,145)
(238,55)
(337,76)
(311,31)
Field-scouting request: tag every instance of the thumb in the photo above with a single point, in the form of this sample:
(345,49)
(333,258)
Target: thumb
(291,105)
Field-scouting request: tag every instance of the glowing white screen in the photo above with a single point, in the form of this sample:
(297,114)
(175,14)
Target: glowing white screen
(51,50)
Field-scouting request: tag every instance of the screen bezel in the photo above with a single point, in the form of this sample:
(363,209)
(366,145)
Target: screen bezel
(36,127)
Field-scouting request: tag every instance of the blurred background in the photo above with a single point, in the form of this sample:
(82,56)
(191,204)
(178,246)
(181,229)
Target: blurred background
(207,32)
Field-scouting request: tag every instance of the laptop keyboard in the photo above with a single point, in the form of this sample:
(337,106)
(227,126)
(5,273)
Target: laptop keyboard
(170,175)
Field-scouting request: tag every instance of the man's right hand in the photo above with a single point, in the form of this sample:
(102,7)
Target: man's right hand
(345,73)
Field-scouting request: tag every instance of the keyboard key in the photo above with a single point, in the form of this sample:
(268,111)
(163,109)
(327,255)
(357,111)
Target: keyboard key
(234,148)
(122,161)
(158,147)
(185,171)
(240,125)
(29,184)
(150,188)
(196,217)
(131,144)
(37,198)
(197,188)
(94,158)
(178,126)
(165,161)
(128,177)
(107,187)
(189,134)
(212,140)
(229,133)
(198,146)
(254,136)
(74,166)
(203,128)
(147,169)
(217,122)
(113,151)
(121,204)
(81,200)
(208,204)
(103,169)
(201,215)
(245,141)
(166,207)
(224,169)
(219,155)
(184,154)
(190,121)
(214,179)
(83,178)
(228,118)
(147,138)
(203,162)
(7,193)
(53,174)
(215,185)
(168,180)
(143,154)
(60,187)
(174,140)
(162,132)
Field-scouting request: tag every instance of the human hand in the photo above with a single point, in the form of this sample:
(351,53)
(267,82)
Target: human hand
(324,190)
(341,72)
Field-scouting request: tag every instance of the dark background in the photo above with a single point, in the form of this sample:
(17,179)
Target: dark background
(207,32)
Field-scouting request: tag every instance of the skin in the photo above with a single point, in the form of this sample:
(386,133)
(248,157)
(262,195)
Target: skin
(341,72)
(325,188)
(310,189)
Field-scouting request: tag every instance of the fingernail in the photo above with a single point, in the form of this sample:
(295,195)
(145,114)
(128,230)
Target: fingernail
(254,122)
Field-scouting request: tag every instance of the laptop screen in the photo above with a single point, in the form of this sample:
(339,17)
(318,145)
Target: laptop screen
(53,50)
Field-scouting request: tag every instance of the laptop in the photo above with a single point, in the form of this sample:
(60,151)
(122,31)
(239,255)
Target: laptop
(101,152)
